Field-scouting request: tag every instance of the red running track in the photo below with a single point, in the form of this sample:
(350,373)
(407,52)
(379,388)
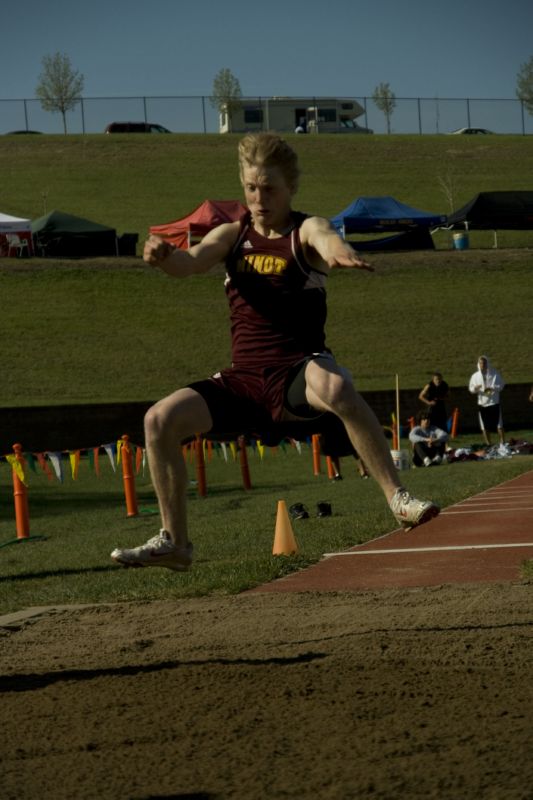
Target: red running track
(482,539)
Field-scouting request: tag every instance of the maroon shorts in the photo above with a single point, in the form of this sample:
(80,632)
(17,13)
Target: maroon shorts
(253,398)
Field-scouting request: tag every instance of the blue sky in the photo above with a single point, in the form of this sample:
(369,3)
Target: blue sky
(457,48)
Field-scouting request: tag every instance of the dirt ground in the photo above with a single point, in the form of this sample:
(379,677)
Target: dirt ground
(390,694)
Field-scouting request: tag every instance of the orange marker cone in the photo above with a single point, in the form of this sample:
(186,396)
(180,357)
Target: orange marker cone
(455,423)
(315,445)
(284,541)
(130,494)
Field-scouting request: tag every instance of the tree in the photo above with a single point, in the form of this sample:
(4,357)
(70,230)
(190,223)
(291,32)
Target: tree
(59,86)
(226,93)
(385,99)
(449,188)
(524,84)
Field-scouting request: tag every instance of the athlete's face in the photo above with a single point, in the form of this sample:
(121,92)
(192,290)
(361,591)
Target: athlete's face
(267,195)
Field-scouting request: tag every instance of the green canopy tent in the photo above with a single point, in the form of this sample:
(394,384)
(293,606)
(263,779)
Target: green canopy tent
(63,235)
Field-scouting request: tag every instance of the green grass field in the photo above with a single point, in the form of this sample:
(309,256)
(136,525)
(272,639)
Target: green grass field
(78,334)
(419,311)
(100,331)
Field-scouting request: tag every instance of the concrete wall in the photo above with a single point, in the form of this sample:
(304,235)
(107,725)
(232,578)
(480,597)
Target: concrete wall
(45,428)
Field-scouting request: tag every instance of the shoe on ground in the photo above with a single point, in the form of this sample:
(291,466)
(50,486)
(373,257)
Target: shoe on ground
(323,509)
(298,511)
(437,460)
(159,551)
(411,512)
(427,461)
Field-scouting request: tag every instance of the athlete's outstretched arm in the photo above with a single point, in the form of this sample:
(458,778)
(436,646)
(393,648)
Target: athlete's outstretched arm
(320,239)
(213,249)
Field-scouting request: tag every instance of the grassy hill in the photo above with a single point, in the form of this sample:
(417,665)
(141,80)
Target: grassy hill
(132,182)
(86,332)
(103,330)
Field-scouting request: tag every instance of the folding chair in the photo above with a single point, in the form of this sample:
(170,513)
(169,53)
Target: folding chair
(14,242)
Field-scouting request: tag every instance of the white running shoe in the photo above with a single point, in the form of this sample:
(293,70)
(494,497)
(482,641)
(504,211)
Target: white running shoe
(411,512)
(159,551)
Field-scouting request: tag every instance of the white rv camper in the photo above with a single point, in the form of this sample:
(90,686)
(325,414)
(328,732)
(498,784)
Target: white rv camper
(293,114)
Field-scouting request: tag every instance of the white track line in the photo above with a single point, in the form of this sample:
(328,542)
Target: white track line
(498,501)
(428,549)
(511,491)
(508,493)
(498,510)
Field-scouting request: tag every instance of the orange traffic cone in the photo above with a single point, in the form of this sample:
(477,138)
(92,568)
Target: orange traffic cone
(284,541)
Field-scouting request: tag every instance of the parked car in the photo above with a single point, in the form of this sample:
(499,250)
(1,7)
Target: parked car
(472,130)
(351,126)
(135,127)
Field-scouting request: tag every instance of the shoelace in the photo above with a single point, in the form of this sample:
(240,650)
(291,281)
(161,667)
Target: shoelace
(400,498)
(157,539)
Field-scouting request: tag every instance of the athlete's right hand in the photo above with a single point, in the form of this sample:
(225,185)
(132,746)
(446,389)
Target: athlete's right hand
(157,250)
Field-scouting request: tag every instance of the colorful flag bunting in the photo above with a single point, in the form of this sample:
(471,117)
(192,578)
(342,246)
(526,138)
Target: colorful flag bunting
(56,461)
(111,450)
(74,464)
(17,467)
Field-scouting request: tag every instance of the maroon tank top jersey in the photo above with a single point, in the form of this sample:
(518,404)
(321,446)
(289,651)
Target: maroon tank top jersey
(277,301)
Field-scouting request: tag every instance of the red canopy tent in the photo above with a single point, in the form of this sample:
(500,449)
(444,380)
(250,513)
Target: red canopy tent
(207,216)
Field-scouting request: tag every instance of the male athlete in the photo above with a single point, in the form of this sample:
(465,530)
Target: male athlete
(277,261)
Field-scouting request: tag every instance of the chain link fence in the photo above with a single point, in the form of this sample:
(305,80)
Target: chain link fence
(198,114)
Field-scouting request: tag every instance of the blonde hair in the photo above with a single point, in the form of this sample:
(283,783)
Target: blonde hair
(269,150)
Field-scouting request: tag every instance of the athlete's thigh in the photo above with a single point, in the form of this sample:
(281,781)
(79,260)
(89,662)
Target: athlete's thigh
(326,381)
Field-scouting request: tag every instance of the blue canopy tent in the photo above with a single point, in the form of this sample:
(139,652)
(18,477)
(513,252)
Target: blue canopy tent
(383,214)
(387,215)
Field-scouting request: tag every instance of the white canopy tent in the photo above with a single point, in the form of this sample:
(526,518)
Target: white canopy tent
(15,227)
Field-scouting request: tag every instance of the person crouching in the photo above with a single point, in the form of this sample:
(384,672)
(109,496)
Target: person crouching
(429,442)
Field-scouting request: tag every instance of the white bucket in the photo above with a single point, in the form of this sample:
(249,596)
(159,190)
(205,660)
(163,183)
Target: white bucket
(460,240)
(400,458)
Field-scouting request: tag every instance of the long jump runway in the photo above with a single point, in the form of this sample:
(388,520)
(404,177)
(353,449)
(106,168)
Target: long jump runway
(482,539)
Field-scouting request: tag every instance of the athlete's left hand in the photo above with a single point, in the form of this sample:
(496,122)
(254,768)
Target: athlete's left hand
(349,261)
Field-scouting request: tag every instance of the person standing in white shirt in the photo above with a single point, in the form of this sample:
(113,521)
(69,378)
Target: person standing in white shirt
(487,384)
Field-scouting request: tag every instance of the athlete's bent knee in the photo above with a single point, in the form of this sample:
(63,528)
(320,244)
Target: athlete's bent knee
(157,422)
(177,417)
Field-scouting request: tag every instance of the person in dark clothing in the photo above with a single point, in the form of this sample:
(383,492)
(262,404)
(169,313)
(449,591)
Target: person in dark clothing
(434,395)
